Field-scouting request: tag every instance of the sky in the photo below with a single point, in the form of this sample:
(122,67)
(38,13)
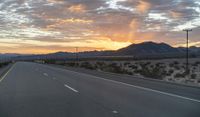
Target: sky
(46,26)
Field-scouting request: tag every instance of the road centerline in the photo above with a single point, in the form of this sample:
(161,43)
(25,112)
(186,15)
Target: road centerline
(70,88)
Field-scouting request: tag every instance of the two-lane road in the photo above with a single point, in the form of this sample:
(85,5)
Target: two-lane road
(36,90)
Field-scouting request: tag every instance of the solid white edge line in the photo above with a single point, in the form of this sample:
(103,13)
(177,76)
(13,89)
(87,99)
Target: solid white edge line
(138,87)
(152,90)
(71,88)
(6,73)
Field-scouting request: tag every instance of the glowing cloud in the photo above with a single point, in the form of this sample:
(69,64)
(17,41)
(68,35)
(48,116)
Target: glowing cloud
(61,22)
(143,6)
(77,8)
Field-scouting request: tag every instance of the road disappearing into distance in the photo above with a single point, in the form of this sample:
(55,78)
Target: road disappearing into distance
(37,90)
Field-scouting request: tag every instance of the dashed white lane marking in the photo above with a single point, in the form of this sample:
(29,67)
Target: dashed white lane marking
(115,112)
(45,74)
(71,88)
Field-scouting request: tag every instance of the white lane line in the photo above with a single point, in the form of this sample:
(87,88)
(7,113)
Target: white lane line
(143,88)
(156,91)
(45,74)
(6,73)
(138,87)
(71,88)
(152,90)
(115,112)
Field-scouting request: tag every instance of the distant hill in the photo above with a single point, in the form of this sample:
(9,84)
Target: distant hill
(8,55)
(147,48)
(141,50)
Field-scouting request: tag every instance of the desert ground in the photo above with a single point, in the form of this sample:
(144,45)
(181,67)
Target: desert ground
(170,70)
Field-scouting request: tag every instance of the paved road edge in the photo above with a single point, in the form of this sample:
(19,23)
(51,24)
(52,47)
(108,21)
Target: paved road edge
(6,70)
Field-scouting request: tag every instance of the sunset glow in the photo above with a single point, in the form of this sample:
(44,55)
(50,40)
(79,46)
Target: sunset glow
(46,26)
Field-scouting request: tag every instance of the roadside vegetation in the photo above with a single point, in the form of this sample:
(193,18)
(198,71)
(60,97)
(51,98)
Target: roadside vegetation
(4,64)
(172,70)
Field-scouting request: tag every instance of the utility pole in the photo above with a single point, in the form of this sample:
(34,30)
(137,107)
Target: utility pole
(187,50)
(77,56)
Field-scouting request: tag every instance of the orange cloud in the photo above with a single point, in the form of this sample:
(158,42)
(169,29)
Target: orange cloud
(175,14)
(143,6)
(55,1)
(61,22)
(190,44)
(77,8)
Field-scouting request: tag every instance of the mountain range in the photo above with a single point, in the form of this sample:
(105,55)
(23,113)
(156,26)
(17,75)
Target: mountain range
(141,50)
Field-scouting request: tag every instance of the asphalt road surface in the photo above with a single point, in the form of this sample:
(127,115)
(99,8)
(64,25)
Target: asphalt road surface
(36,90)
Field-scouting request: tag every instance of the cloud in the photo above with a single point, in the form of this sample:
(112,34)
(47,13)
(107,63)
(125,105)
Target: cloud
(143,6)
(77,8)
(92,23)
(55,1)
(62,22)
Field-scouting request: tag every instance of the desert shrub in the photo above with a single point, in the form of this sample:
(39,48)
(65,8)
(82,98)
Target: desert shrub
(129,73)
(100,64)
(50,61)
(4,64)
(71,64)
(164,72)
(171,71)
(176,62)
(113,67)
(193,55)
(171,65)
(61,63)
(151,66)
(133,66)
(193,76)
(183,66)
(87,65)
(1,65)
(126,63)
(159,64)
(155,72)
(197,62)
(180,75)
(145,64)
(195,65)
(177,67)
(148,63)
(137,71)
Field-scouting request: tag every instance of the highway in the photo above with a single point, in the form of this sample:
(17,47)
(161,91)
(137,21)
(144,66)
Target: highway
(37,90)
